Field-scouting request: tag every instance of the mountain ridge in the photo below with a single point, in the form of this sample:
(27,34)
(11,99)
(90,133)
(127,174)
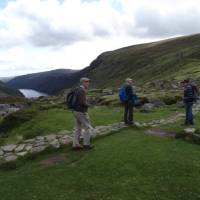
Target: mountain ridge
(170,59)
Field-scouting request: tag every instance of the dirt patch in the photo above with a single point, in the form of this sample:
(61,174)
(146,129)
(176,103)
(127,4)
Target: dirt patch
(53,160)
(160,133)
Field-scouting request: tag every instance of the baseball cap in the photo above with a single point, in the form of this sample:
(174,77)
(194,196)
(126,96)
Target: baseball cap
(84,79)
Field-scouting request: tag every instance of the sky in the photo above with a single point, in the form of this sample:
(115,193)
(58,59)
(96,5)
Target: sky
(40,35)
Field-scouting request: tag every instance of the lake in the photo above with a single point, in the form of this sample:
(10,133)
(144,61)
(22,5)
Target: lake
(28,93)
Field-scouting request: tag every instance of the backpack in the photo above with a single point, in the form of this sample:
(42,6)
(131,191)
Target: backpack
(134,100)
(71,99)
(195,92)
(122,95)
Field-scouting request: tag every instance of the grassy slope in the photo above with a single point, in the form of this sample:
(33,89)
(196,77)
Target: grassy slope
(58,119)
(169,59)
(125,166)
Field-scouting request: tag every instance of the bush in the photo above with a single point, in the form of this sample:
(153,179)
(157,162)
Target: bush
(16,119)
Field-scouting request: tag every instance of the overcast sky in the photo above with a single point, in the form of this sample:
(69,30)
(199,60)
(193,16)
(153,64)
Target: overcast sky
(39,35)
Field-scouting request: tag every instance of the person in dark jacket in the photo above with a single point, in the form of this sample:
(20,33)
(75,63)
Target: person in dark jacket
(82,118)
(128,106)
(188,98)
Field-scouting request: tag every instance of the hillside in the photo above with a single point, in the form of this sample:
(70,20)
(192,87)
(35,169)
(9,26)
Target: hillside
(48,82)
(5,91)
(166,60)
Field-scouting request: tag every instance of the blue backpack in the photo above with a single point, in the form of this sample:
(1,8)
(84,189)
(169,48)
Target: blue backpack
(122,94)
(134,100)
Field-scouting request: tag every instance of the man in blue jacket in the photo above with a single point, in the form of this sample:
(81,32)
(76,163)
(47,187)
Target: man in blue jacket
(188,98)
(128,105)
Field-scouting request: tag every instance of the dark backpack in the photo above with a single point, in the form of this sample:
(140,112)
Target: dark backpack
(195,92)
(71,99)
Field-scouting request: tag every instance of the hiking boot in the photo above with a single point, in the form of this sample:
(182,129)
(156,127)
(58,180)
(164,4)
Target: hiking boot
(91,146)
(77,147)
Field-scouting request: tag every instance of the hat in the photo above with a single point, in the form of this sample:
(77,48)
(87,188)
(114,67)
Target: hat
(84,79)
(129,79)
(186,81)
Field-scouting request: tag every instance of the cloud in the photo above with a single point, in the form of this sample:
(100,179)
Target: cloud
(54,23)
(160,19)
(153,23)
(44,34)
(50,23)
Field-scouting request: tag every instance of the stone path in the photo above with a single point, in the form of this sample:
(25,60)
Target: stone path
(38,144)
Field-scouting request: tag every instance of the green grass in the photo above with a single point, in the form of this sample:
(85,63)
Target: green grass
(124,166)
(156,114)
(53,120)
(178,127)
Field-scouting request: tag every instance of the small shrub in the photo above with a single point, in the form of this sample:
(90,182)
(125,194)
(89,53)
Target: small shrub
(16,119)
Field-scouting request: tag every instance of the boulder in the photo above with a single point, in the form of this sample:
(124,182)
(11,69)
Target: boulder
(147,107)
(157,103)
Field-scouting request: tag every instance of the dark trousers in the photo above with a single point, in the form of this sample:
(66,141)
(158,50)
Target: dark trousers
(188,113)
(128,112)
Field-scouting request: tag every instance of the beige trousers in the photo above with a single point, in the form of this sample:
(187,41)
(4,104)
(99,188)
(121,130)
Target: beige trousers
(82,121)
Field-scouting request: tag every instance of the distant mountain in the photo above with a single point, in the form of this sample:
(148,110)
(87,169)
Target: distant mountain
(48,82)
(5,79)
(172,59)
(6,91)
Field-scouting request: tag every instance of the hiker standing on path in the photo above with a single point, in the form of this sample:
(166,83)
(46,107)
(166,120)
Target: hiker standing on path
(128,104)
(188,98)
(81,117)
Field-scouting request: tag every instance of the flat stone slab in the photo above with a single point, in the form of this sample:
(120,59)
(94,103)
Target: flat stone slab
(189,130)
(9,148)
(20,148)
(22,153)
(10,158)
(1,152)
(37,149)
(28,147)
(39,143)
(55,144)
(50,137)
(161,133)
(30,141)
(39,138)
